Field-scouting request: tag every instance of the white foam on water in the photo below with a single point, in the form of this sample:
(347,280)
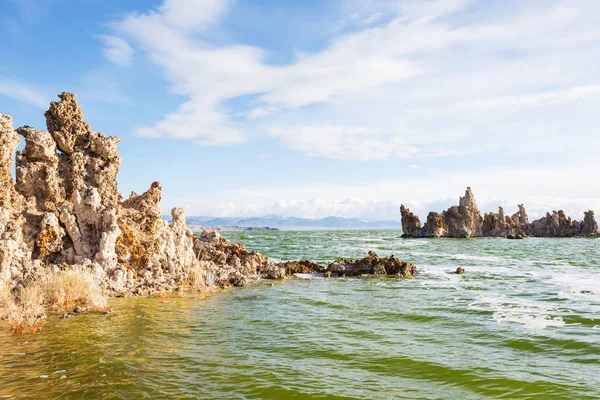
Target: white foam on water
(308,276)
(442,277)
(469,257)
(530,313)
(549,262)
(530,321)
(580,288)
(577,286)
(412,243)
(448,273)
(372,240)
(581,295)
(501,302)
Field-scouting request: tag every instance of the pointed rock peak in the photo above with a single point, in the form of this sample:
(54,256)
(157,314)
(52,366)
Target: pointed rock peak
(468,200)
(523,217)
(590,226)
(65,122)
(147,202)
(178,215)
(39,145)
(8,141)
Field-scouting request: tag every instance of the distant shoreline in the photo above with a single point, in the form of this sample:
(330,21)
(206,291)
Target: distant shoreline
(200,228)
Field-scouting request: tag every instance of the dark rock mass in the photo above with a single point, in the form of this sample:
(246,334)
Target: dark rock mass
(465,221)
(371,265)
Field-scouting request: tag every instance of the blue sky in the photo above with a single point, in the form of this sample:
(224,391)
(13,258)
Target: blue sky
(316,108)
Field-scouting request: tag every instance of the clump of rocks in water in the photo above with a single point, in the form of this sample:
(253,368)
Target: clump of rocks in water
(371,265)
(465,221)
(232,265)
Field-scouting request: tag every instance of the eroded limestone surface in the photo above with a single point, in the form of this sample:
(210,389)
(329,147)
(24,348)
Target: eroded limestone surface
(465,221)
(65,208)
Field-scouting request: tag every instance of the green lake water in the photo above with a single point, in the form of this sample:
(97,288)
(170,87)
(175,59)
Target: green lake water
(523,322)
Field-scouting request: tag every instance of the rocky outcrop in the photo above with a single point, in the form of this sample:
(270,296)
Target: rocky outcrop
(64,209)
(230,264)
(465,221)
(282,270)
(500,225)
(371,265)
(15,253)
(226,263)
(557,224)
(589,227)
(411,224)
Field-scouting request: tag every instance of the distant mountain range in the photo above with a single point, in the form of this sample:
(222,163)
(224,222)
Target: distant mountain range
(274,221)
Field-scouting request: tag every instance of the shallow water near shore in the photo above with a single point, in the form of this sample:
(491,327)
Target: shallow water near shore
(522,322)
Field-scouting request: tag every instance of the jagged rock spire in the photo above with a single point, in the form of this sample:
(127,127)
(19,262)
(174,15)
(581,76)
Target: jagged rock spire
(65,207)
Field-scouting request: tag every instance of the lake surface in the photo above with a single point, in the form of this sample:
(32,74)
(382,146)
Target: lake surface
(523,322)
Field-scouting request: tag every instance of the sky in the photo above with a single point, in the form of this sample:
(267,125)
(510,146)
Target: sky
(312,108)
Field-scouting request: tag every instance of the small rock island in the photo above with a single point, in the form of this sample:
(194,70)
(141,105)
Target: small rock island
(465,221)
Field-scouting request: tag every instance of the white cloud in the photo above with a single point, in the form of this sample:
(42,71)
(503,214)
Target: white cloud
(433,191)
(344,143)
(191,15)
(197,121)
(23,92)
(412,81)
(116,50)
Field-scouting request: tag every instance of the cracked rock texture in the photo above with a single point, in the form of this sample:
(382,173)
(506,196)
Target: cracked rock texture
(465,221)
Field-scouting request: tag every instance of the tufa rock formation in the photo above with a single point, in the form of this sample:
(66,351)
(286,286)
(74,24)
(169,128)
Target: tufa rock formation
(558,224)
(465,221)
(65,210)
